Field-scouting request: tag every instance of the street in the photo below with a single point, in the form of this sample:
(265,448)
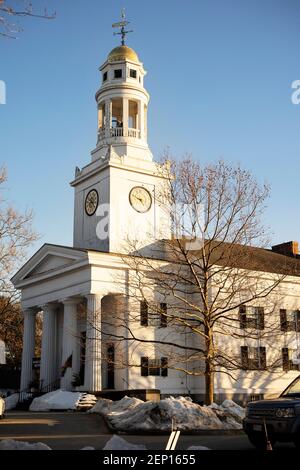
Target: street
(74,430)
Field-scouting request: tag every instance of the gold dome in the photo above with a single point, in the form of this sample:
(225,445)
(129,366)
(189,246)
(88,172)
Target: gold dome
(122,53)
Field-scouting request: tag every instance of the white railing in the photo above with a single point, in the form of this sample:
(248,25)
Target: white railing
(135,133)
(119,132)
(116,132)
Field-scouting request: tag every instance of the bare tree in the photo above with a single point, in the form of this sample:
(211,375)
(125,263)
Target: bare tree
(11,331)
(212,287)
(9,11)
(16,235)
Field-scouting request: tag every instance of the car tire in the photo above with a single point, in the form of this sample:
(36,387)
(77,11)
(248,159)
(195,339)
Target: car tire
(259,441)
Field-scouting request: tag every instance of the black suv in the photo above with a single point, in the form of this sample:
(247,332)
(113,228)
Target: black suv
(275,420)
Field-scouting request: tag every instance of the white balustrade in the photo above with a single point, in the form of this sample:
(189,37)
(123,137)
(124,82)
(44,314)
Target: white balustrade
(120,132)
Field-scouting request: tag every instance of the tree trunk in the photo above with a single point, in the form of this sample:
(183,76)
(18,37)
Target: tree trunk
(209,375)
(209,385)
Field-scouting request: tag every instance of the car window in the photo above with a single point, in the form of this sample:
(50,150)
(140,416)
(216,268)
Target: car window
(293,389)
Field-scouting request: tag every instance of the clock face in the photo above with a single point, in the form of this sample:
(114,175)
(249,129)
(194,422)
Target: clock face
(140,199)
(91,202)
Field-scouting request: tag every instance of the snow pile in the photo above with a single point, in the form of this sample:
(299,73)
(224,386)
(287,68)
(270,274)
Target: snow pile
(233,408)
(62,400)
(10,444)
(132,414)
(105,406)
(11,401)
(117,443)
(86,401)
(102,406)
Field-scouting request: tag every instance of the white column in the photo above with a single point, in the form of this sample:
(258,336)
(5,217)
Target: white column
(59,343)
(108,117)
(48,356)
(28,348)
(141,119)
(125,116)
(92,374)
(70,342)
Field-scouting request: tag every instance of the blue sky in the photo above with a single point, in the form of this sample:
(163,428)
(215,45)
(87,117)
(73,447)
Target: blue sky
(219,75)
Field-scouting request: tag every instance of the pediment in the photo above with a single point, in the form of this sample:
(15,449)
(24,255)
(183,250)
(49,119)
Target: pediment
(49,263)
(49,259)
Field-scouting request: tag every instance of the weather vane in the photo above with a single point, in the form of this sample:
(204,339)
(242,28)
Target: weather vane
(121,24)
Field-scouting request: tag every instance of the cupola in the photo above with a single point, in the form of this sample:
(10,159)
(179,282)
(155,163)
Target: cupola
(122,103)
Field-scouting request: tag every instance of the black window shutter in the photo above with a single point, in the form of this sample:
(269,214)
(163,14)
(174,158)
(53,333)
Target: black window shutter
(144,313)
(164,366)
(163,317)
(283,320)
(297,320)
(263,357)
(144,367)
(261,318)
(244,356)
(243,318)
(285,359)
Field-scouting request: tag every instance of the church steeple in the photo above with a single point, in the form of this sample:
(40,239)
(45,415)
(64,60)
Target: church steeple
(122,104)
(116,193)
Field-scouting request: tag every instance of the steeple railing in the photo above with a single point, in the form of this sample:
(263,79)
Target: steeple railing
(119,132)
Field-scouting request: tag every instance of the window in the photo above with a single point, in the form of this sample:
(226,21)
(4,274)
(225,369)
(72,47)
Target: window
(157,367)
(253,358)
(154,366)
(132,73)
(153,317)
(105,76)
(290,320)
(287,359)
(118,73)
(251,317)
(256,396)
(144,313)
(163,315)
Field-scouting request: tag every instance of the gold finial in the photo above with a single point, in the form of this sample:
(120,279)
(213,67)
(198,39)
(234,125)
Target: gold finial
(121,24)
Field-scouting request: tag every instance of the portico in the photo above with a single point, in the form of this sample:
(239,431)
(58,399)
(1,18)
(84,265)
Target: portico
(72,315)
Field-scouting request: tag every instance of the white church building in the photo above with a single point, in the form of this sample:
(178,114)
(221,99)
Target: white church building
(78,287)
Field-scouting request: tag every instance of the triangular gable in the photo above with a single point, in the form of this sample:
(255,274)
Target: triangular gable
(49,263)
(48,259)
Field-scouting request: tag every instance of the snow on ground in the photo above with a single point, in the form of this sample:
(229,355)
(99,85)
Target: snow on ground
(10,444)
(232,410)
(11,401)
(132,414)
(62,400)
(117,443)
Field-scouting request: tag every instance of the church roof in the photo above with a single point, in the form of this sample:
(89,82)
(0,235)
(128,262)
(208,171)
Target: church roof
(237,256)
